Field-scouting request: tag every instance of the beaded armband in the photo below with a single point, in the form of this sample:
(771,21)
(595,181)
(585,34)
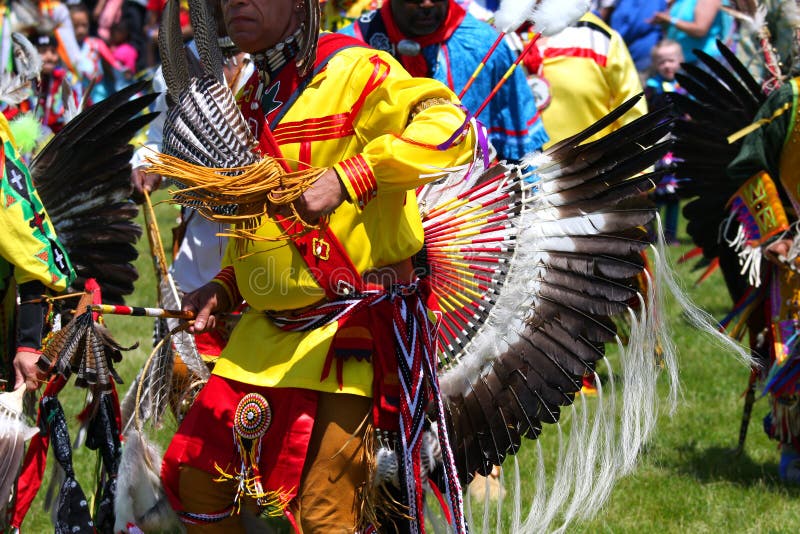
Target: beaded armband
(758,208)
(358,179)
(227,279)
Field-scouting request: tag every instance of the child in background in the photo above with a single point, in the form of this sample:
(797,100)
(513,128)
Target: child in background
(123,51)
(96,62)
(667,58)
(49,104)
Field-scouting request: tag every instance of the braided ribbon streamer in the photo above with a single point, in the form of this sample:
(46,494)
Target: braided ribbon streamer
(415,350)
(416,358)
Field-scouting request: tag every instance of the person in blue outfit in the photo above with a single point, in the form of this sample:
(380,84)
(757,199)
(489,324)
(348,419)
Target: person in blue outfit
(438,39)
(696,25)
(629,18)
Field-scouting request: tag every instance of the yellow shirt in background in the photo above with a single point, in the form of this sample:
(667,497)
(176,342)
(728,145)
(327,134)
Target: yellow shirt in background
(590,72)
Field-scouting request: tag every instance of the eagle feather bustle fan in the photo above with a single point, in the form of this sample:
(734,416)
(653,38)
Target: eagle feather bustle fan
(92,153)
(527,307)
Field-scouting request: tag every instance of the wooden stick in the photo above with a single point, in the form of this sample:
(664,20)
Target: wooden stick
(137,311)
(508,74)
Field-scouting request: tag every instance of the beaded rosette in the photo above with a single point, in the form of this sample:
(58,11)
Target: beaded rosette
(251,420)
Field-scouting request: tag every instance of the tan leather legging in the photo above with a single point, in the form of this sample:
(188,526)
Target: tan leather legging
(334,471)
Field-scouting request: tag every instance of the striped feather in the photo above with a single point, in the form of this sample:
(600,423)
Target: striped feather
(170,46)
(204,25)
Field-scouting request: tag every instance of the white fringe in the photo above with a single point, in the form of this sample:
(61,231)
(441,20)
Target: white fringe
(703,321)
(586,467)
(608,461)
(140,498)
(516,497)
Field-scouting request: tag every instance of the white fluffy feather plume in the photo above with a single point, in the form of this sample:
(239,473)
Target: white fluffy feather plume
(791,13)
(14,432)
(550,17)
(511,14)
(547,16)
(752,24)
(140,498)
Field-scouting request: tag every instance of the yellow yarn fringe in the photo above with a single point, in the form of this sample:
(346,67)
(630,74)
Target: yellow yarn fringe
(270,503)
(256,189)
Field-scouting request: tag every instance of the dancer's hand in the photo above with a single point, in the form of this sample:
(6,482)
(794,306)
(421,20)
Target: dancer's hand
(205,303)
(26,371)
(141,181)
(324,196)
(778,251)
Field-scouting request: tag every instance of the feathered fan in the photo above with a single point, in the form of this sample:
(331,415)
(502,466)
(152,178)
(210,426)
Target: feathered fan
(528,269)
(717,105)
(93,217)
(86,348)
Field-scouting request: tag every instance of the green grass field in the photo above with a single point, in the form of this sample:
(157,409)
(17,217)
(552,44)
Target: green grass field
(686,481)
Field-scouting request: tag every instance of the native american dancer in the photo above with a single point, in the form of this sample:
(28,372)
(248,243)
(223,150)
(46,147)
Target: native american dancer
(32,260)
(736,147)
(401,336)
(92,219)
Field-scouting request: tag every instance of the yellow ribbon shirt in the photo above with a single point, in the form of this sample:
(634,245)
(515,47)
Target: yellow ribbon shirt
(366,117)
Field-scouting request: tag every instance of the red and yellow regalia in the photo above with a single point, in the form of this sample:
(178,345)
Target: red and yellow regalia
(380,133)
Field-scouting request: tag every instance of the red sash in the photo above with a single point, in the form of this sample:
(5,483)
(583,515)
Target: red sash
(322,251)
